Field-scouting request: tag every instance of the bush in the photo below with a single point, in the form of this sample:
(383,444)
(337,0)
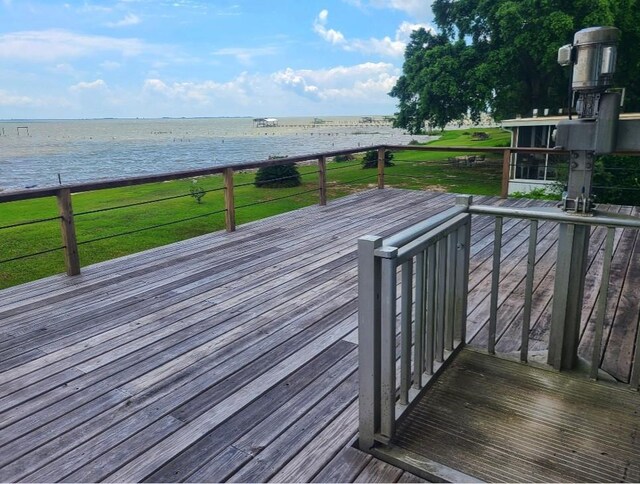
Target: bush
(479,136)
(343,158)
(414,142)
(538,194)
(196,191)
(278,176)
(370,159)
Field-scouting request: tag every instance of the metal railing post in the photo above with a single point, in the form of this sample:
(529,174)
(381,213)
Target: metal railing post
(369,289)
(568,294)
(381,153)
(462,271)
(388,343)
(495,285)
(322,179)
(68,230)
(229,202)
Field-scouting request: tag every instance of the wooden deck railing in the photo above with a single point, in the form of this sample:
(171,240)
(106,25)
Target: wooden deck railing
(433,305)
(67,218)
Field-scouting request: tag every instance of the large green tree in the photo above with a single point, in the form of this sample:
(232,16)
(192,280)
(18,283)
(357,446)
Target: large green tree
(500,56)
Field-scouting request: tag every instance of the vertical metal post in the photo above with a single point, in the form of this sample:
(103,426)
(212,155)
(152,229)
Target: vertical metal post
(440,299)
(528,290)
(368,339)
(418,345)
(381,153)
(68,231)
(495,285)
(430,336)
(405,331)
(462,271)
(322,179)
(568,292)
(388,345)
(452,244)
(229,202)
(602,302)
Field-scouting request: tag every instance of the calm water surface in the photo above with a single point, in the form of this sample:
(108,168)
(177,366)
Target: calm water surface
(33,153)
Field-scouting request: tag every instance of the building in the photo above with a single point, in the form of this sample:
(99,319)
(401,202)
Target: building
(534,171)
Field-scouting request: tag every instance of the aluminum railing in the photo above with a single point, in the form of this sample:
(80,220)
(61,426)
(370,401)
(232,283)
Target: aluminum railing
(432,315)
(432,261)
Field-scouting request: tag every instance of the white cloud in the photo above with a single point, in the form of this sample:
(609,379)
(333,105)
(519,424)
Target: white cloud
(128,20)
(54,44)
(200,93)
(330,35)
(296,82)
(385,46)
(7,99)
(89,86)
(368,81)
(344,89)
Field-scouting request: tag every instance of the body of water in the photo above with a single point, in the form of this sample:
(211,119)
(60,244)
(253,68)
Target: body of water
(34,152)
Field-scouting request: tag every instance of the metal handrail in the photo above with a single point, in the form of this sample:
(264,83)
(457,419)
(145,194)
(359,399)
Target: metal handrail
(432,259)
(432,317)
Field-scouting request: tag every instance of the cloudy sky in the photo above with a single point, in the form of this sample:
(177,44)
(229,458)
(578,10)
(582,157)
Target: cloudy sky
(154,58)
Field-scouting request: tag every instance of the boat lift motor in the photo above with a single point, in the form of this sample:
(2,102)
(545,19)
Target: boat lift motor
(594,132)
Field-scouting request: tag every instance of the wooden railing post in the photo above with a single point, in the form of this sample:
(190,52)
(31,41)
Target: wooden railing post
(68,230)
(322,179)
(381,153)
(506,166)
(229,203)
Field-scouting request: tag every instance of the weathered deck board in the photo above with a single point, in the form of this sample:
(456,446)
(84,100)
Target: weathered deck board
(517,423)
(227,356)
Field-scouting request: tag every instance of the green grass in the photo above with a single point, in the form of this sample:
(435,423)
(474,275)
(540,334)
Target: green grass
(412,170)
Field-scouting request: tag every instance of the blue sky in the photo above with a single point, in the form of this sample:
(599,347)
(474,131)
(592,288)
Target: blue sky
(154,58)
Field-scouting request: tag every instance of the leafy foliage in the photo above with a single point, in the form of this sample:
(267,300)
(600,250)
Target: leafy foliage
(196,191)
(500,55)
(278,176)
(343,158)
(616,179)
(370,159)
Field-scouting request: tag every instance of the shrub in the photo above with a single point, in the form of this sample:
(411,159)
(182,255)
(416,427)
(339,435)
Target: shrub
(343,158)
(278,176)
(479,136)
(414,142)
(196,191)
(370,159)
(537,194)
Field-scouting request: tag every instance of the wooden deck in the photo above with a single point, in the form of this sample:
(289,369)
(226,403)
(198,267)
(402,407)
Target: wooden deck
(233,357)
(501,421)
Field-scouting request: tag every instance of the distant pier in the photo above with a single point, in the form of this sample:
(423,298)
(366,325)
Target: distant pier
(365,121)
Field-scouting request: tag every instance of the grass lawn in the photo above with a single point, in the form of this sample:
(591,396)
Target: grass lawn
(98,232)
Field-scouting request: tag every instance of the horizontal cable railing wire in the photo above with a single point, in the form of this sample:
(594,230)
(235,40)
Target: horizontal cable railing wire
(30,222)
(342,167)
(487,178)
(151,227)
(146,202)
(277,198)
(602,187)
(33,254)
